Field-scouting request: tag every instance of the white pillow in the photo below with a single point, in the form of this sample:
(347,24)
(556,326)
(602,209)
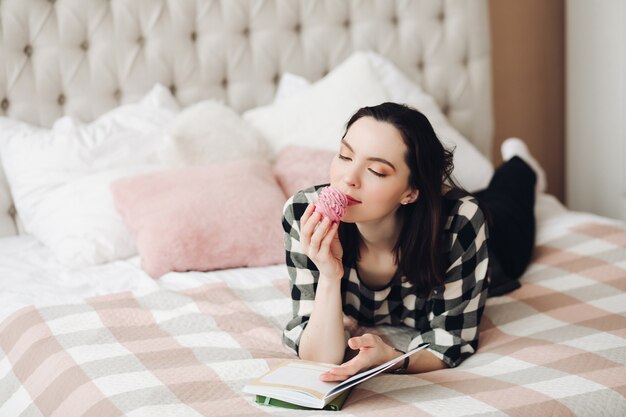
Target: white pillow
(290,85)
(317,117)
(210,132)
(60,177)
(472,169)
(7,225)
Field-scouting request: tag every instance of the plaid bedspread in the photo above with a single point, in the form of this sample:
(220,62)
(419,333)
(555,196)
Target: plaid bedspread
(555,347)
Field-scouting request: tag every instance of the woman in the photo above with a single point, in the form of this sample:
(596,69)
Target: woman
(411,249)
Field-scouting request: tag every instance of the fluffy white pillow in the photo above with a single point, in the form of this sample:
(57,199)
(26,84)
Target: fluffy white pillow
(7,223)
(7,226)
(210,132)
(317,117)
(60,177)
(472,169)
(290,85)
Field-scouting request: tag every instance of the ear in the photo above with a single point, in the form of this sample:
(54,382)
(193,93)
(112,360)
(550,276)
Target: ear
(410,197)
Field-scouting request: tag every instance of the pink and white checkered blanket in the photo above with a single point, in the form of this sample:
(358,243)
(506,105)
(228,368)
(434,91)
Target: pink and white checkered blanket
(555,347)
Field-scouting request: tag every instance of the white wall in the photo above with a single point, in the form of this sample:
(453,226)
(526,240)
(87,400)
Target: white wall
(595,106)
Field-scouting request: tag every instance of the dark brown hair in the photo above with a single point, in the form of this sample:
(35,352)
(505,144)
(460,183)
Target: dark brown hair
(419,251)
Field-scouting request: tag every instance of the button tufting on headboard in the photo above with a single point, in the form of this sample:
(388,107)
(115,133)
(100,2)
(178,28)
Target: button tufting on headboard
(434,42)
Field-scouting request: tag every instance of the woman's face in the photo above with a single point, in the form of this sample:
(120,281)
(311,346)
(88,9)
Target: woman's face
(370,168)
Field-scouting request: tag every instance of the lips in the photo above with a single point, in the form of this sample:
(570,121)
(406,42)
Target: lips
(352,201)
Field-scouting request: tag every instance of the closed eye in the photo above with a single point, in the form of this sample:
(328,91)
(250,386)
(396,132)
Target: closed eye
(344,158)
(378,174)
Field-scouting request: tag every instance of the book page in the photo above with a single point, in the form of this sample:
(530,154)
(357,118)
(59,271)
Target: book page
(365,375)
(299,376)
(294,380)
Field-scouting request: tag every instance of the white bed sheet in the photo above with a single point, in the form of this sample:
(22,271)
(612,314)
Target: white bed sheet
(30,275)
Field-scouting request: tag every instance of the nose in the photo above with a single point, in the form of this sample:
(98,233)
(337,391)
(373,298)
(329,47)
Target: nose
(351,178)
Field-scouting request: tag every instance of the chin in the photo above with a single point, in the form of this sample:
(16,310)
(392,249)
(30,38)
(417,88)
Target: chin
(349,218)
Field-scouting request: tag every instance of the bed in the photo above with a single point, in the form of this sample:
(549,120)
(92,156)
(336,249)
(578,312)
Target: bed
(129,284)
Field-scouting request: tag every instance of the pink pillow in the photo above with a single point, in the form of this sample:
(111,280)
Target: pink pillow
(204,218)
(299,167)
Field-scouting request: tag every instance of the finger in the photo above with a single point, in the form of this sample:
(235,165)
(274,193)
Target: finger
(328,239)
(307,213)
(320,232)
(357,343)
(329,377)
(352,367)
(307,228)
(306,219)
(362,342)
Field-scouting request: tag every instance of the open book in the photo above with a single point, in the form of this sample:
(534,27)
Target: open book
(298,382)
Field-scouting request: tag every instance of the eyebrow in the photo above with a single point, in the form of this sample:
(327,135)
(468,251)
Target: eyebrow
(384,161)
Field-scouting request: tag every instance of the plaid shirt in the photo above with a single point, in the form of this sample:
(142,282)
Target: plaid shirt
(448,319)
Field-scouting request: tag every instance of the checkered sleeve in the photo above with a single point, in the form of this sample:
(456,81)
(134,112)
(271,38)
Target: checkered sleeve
(303,274)
(458,304)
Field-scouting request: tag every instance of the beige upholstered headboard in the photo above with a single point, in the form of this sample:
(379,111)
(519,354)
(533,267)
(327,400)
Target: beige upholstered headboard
(84,57)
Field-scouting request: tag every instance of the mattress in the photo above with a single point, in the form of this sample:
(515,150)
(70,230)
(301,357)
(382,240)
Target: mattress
(109,340)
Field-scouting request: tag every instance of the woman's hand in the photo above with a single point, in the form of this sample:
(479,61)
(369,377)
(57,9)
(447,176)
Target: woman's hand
(320,242)
(372,352)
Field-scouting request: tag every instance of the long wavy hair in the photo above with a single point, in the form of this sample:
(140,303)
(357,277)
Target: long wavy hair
(419,251)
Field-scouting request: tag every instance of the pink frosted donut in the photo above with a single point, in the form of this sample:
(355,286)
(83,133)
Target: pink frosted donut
(331,203)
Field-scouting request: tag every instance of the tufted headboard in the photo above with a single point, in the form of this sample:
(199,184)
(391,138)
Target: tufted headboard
(84,57)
